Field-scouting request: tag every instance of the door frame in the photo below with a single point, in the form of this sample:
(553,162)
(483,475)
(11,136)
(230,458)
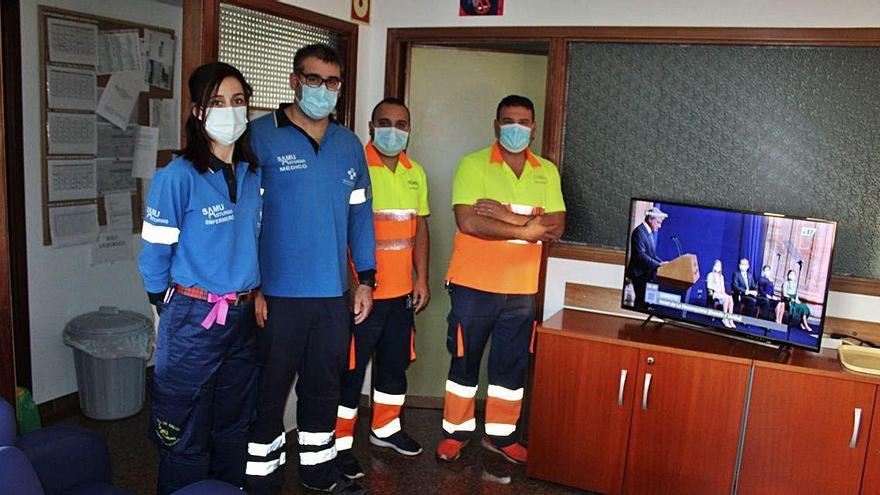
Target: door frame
(15,358)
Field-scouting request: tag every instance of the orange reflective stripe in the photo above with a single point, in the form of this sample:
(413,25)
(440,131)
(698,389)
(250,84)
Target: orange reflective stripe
(458,409)
(412,344)
(502,267)
(345,427)
(502,411)
(534,333)
(384,414)
(394,229)
(459,350)
(352,359)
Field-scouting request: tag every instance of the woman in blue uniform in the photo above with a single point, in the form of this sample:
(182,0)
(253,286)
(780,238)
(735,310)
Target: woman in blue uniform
(199,265)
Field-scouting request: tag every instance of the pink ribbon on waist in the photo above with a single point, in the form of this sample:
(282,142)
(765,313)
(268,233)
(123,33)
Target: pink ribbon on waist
(220,309)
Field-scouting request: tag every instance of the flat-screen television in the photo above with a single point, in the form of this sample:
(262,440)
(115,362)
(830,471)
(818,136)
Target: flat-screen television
(760,276)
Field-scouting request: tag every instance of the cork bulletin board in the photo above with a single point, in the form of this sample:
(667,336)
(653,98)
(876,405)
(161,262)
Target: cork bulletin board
(85,157)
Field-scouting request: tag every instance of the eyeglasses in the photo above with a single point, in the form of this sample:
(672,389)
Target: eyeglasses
(315,81)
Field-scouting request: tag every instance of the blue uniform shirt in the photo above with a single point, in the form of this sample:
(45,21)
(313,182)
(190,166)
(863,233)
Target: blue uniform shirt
(195,235)
(317,205)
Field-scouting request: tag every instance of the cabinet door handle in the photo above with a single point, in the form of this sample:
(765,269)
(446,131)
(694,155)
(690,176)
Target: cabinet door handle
(857,422)
(621,387)
(645,391)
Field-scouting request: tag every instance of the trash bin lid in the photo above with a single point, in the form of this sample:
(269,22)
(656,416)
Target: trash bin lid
(108,321)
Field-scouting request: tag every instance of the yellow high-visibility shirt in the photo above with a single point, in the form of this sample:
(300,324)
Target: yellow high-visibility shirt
(503,267)
(398,198)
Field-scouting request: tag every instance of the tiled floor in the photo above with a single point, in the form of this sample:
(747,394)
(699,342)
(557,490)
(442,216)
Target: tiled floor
(134,462)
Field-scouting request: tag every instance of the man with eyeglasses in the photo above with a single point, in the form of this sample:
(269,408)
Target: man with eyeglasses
(316,207)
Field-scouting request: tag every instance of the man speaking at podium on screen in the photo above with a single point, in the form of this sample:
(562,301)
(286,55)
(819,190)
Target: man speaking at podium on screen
(643,260)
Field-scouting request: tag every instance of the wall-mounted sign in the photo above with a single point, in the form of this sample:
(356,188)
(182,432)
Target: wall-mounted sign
(360,10)
(480,7)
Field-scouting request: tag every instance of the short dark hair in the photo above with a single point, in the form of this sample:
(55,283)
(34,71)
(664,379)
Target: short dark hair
(765,266)
(391,100)
(203,82)
(515,101)
(320,51)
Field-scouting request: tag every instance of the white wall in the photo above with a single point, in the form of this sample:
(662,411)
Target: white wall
(61,284)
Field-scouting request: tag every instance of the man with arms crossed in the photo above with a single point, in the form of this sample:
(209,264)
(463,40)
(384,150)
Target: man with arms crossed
(506,201)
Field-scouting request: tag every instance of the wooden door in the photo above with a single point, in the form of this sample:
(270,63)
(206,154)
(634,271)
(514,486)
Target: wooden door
(686,424)
(800,434)
(871,479)
(581,405)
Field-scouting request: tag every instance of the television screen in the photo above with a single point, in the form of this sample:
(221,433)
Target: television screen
(762,276)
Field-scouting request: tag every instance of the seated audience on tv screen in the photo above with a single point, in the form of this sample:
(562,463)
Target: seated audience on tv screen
(744,288)
(715,284)
(767,300)
(798,311)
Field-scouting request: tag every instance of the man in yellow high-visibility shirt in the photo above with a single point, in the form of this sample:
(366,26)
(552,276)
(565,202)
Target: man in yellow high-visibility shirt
(400,215)
(507,201)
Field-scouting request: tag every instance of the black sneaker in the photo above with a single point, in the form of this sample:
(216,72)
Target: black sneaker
(348,464)
(402,443)
(343,486)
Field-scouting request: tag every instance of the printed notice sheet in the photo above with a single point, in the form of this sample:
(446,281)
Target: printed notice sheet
(163,115)
(71,180)
(114,175)
(114,142)
(71,133)
(118,98)
(146,145)
(72,42)
(117,207)
(72,225)
(70,89)
(112,246)
(119,51)
(159,64)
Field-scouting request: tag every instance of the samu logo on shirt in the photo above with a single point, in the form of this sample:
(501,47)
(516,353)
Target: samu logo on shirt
(217,214)
(352,175)
(290,162)
(154,216)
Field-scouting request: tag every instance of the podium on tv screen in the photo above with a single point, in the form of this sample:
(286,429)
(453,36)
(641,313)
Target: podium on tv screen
(680,273)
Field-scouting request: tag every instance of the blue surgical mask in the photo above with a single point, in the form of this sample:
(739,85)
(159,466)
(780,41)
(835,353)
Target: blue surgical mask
(390,141)
(318,102)
(514,137)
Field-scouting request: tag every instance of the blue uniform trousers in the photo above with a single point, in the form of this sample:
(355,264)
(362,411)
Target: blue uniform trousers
(202,393)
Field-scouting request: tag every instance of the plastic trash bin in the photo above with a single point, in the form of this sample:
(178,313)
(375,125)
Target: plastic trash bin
(110,350)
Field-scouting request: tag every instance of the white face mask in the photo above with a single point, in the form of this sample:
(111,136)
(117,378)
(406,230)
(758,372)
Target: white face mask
(766,273)
(791,278)
(716,268)
(225,125)
(743,268)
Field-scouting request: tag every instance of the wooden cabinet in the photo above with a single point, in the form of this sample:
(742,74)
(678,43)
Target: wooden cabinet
(871,480)
(581,406)
(806,434)
(686,419)
(686,424)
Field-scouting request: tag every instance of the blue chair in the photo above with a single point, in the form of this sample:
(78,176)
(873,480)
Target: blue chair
(66,460)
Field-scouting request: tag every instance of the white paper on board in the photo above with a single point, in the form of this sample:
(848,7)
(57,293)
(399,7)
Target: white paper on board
(119,98)
(69,88)
(146,145)
(72,179)
(112,246)
(71,133)
(72,42)
(72,225)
